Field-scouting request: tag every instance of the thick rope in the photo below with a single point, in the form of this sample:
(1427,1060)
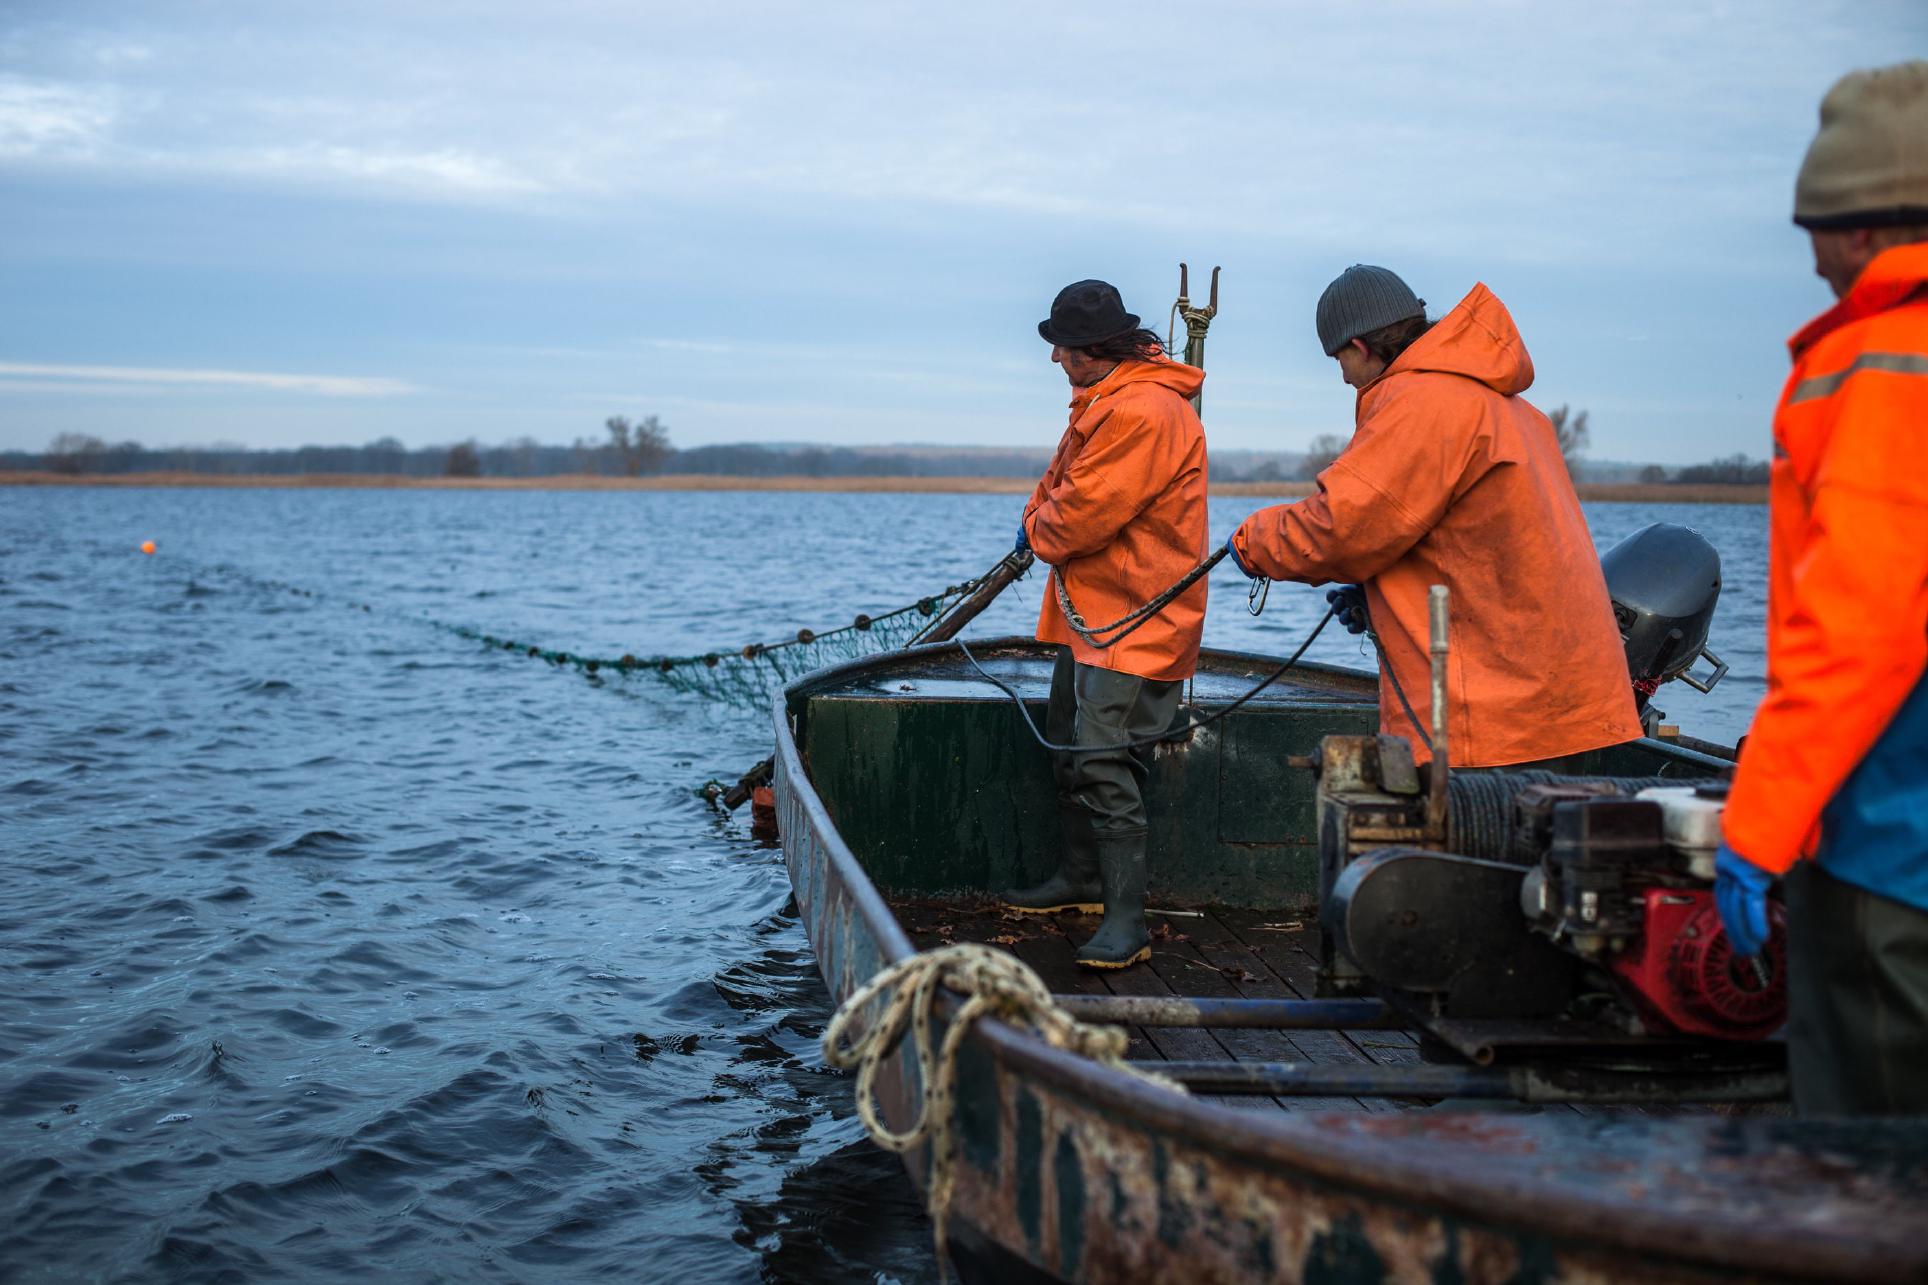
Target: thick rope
(1141,742)
(1385,667)
(1122,627)
(997,984)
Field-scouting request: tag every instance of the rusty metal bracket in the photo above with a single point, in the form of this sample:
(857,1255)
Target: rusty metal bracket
(1197,322)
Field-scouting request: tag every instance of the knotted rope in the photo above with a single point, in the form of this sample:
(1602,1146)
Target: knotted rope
(997,984)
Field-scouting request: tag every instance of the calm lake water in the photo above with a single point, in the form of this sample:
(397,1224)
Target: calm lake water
(334,944)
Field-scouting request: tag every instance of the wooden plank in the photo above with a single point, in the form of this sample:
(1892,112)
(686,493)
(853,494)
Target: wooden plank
(1046,943)
(1189,968)
(1287,955)
(1250,972)
(1175,1042)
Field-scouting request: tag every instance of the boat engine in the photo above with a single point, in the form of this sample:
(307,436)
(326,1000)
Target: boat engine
(1626,884)
(1664,581)
(1551,909)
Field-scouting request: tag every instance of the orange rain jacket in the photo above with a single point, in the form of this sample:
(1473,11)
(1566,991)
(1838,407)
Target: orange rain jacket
(1451,478)
(1121,516)
(1847,605)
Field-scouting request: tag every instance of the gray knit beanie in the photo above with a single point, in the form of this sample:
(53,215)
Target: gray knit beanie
(1362,299)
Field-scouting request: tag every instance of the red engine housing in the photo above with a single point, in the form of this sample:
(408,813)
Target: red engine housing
(1685,977)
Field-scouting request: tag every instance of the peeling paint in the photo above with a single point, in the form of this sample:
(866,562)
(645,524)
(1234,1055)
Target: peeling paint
(1029,1157)
(1143,1189)
(1067,1171)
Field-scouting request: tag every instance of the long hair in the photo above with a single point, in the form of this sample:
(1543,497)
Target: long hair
(1386,343)
(1133,345)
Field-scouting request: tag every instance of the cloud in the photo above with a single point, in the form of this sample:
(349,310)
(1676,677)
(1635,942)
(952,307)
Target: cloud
(443,170)
(41,377)
(39,119)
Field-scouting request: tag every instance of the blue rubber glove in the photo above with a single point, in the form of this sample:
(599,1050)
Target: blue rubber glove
(1349,607)
(1740,890)
(1024,540)
(1236,560)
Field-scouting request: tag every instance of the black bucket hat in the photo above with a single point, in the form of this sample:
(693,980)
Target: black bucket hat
(1086,313)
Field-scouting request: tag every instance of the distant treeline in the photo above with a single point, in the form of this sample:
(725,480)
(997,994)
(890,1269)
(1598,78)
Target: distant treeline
(643,449)
(634,453)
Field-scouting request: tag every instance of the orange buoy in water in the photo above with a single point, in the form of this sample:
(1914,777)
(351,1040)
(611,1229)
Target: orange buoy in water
(148,546)
(763,814)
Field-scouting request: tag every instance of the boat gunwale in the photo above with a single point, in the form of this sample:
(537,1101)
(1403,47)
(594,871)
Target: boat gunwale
(1340,678)
(1390,1168)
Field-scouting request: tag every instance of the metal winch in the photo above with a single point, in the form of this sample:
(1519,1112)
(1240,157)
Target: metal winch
(1532,913)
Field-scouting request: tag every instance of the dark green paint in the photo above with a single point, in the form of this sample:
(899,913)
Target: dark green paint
(1174,1216)
(1030,1166)
(1447,1270)
(1249,751)
(946,796)
(1342,1255)
(1259,1259)
(1066,1168)
(978,1091)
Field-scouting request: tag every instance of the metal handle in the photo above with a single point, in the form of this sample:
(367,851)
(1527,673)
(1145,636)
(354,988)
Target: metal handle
(1720,672)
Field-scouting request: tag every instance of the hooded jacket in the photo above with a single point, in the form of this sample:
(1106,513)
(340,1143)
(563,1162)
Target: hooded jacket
(1452,478)
(1838,753)
(1120,516)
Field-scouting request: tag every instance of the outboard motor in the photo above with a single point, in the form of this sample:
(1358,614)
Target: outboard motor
(1664,581)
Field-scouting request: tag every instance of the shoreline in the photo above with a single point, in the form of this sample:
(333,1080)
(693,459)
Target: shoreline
(1599,492)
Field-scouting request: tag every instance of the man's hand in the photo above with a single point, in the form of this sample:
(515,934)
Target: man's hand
(1024,540)
(1238,561)
(1740,890)
(1349,607)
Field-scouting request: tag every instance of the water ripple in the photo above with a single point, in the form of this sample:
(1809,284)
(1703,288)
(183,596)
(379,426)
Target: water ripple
(340,948)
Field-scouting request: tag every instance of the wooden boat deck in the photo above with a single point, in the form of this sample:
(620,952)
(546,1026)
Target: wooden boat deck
(1215,952)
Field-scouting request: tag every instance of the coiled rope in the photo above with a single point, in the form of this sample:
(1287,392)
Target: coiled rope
(997,984)
(1483,808)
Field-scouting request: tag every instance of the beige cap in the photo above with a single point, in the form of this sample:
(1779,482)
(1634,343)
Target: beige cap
(1868,167)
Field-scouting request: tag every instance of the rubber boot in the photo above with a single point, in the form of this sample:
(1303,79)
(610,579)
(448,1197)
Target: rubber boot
(1122,940)
(1075,885)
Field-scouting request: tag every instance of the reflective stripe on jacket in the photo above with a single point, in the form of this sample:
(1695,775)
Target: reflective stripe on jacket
(1847,604)
(1120,515)
(1452,478)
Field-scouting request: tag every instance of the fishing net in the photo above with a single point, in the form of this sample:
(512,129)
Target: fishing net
(744,675)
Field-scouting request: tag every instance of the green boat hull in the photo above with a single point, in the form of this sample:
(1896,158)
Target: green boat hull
(903,777)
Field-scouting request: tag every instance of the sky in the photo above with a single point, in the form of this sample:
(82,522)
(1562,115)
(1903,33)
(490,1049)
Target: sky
(278,224)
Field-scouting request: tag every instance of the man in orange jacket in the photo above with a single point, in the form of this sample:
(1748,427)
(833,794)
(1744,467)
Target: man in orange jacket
(1453,478)
(1120,516)
(1836,766)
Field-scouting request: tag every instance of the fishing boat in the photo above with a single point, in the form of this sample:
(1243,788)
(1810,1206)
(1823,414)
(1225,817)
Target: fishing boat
(1343,1122)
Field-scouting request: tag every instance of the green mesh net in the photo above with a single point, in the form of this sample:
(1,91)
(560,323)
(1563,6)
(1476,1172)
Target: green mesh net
(745,676)
(749,675)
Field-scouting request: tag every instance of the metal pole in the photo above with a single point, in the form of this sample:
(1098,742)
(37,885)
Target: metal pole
(1197,322)
(1254,1014)
(1525,1083)
(965,612)
(1442,756)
